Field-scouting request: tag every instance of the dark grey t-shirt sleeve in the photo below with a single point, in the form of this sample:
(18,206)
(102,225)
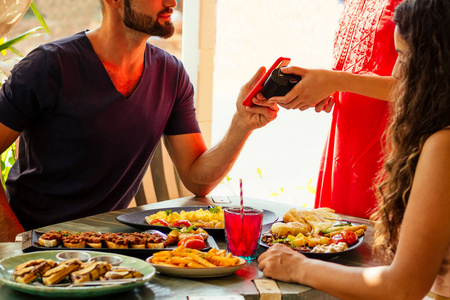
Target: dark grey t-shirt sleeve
(183,119)
(27,93)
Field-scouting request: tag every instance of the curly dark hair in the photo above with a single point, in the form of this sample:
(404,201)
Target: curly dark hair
(422,107)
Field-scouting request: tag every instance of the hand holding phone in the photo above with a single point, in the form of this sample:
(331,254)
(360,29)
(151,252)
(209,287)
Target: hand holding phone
(280,62)
(279,84)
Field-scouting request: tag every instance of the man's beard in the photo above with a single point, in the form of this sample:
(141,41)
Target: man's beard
(146,24)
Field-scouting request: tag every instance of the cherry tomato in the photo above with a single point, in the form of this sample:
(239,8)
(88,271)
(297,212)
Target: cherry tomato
(181,223)
(337,238)
(192,242)
(159,222)
(349,237)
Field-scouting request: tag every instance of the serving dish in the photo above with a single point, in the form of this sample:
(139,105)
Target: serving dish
(30,244)
(137,219)
(7,266)
(197,272)
(325,256)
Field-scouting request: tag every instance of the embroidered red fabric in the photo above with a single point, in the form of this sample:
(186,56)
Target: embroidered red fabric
(364,44)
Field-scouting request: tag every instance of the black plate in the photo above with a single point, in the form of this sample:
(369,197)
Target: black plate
(325,255)
(30,243)
(137,219)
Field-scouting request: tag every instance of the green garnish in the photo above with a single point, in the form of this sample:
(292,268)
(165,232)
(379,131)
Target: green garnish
(214,209)
(183,229)
(168,212)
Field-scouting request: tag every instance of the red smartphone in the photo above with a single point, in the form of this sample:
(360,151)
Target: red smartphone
(280,62)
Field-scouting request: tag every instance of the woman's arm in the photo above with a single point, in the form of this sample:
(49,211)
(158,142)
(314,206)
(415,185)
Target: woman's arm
(424,241)
(317,84)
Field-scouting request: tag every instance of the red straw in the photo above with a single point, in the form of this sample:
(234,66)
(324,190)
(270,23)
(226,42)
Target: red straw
(242,199)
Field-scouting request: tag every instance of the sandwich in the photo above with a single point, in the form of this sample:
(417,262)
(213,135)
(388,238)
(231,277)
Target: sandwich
(31,270)
(61,271)
(90,271)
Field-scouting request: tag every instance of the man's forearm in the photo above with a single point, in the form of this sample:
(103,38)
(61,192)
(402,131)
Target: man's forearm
(9,224)
(214,164)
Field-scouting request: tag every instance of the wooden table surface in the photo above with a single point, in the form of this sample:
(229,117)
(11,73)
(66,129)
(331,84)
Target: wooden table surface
(165,287)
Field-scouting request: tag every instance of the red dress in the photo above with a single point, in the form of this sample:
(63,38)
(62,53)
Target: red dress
(364,44)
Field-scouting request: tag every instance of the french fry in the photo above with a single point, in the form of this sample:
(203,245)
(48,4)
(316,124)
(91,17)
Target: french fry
(348,228)
(224,261)
(189,258)
(195,265)
(202,261)
(180,260)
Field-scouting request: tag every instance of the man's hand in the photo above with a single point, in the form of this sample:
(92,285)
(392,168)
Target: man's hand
(260,114)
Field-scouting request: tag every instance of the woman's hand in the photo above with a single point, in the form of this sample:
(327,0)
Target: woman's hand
(314,88)
(282,263)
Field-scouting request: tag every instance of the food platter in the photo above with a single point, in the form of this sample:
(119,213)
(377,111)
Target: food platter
(30,244)
(325,256)
(198,272)
(7,266)
(137,219)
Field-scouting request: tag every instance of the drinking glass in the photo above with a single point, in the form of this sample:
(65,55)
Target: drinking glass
(242,232)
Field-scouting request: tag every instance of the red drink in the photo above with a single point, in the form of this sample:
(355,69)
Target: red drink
(242,234)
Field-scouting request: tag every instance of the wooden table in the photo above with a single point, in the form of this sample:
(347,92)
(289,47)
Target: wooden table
(165,287)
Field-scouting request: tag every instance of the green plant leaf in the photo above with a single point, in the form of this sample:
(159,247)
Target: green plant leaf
(2,40)
(39,17)
(22,37)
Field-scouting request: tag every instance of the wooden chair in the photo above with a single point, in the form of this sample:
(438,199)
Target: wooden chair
(161,182)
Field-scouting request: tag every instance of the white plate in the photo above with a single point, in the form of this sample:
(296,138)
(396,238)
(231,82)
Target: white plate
(197,272)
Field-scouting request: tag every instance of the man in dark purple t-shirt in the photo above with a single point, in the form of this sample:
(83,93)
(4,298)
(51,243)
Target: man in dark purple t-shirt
(90,110)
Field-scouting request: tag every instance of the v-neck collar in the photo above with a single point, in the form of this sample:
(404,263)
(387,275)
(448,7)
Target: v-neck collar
(105,73)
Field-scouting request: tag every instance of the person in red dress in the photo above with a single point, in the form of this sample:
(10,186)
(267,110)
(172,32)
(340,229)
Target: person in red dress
(364,56)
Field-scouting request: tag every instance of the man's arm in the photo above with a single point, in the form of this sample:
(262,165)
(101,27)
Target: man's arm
(9,225)
(201,169)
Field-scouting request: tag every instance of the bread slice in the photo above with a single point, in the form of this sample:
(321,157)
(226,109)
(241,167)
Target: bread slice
(90,272)
(121,273)
(113,245)
(61,271)
(81,244)
(155,245)
(31,270)
(48,243)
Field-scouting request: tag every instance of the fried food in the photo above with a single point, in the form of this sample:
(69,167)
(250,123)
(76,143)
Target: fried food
(31,270)
(121,273)
(189,258)
(293,228)
(209,218)
(90,271)
(50,239)
(61,271)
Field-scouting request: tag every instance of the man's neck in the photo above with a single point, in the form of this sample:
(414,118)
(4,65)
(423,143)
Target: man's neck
(122,55)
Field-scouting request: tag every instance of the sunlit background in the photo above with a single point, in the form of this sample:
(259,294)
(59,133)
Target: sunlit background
(280,161)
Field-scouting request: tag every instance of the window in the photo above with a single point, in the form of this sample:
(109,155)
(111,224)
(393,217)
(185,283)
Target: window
(288,150)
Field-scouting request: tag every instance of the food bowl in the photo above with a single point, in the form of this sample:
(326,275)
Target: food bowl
(83,256)
(111,259)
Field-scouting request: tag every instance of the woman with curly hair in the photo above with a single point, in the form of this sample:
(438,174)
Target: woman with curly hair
(412,221)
